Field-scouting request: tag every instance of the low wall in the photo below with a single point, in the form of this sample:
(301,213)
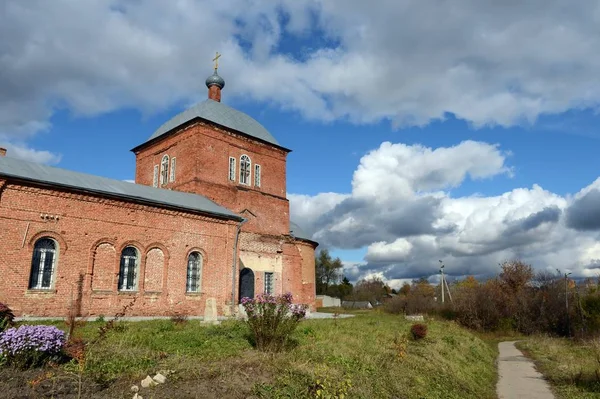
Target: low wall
(328,301)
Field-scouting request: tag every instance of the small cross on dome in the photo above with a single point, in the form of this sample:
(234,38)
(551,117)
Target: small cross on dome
(216,60)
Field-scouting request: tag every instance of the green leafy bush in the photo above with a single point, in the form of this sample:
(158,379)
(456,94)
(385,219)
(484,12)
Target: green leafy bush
(272,320)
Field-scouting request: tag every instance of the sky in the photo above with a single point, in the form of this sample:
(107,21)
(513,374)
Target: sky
(462,131)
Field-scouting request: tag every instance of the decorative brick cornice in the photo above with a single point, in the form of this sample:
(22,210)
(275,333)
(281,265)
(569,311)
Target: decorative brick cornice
(98,199)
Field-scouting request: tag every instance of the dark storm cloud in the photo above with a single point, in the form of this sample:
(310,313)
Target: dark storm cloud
(376,222)
(584,212)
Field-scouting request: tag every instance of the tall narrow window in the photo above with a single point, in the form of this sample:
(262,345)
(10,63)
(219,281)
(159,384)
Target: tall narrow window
(257,175)
(232,168)
(42,264)
(194,272)
(173,166)
(155,178)
(128,271)
(164,170)
(245,165)
(269,283)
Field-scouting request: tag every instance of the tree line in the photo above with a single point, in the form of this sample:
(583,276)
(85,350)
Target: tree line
(516,299)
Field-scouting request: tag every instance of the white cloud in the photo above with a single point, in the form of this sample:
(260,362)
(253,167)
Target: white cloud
(396,251)
(22,151)
(407,233)
(400,170)
(410,62)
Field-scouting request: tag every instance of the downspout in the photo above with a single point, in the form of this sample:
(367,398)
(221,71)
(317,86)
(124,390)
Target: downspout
(234,263)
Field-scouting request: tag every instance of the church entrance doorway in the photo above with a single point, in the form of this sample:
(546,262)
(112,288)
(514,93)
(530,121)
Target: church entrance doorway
(246,283)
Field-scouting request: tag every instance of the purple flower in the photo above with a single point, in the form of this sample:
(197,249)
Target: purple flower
(44,339)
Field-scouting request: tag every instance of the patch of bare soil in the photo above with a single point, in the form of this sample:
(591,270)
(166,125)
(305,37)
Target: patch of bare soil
(231,378)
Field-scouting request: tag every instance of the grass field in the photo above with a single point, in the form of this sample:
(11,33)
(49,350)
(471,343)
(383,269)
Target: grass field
(571,367)
(361,357)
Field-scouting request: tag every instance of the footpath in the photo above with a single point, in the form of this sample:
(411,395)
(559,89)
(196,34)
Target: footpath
(517,376)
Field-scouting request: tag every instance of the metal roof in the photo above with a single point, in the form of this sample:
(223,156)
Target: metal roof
(297,232)
(30,171)
(220,114)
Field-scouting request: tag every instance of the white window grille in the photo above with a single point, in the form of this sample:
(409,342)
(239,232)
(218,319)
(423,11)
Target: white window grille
(42,264)
(173,166)
(194,272)
(232,168)
(164,170)
(269,283)
(257,175)
(245,168)
(128,269)
(155,178)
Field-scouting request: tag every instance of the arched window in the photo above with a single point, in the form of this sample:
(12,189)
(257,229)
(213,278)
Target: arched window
(43,264)
(194,272)
(128,271)
(164,170)
(245,169)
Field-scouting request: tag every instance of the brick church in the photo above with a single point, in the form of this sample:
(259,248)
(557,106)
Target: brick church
(207,218)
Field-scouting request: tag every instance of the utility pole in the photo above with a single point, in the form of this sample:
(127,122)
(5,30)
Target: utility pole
(442,285)
(567,303)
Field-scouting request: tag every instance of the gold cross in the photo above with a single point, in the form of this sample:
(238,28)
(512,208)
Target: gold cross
(216,60)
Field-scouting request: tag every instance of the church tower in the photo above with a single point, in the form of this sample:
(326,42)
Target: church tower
(216,151)
(221,153)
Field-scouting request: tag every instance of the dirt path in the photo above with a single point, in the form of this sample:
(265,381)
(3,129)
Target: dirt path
(518,377)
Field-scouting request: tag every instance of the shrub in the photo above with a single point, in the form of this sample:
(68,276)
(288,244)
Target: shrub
(7,317)
(418,331)
(31,346)
(272,320)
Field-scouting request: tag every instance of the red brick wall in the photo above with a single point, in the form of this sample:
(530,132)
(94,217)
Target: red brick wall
(307,253)
(91,232)
(202,151)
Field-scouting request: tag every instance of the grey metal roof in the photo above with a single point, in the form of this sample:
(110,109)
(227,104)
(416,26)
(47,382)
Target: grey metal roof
(30,171)
(220,114)
(297,232)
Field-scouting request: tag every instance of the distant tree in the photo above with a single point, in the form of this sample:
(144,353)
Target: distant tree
(372,290)
(327,271)
(469,282)
(405,289)
(422,280)
(515,275)
(342,290)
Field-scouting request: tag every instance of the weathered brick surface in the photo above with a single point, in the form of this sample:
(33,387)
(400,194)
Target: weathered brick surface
(91,232)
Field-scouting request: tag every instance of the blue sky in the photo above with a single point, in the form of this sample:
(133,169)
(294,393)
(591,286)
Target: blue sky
(419,132)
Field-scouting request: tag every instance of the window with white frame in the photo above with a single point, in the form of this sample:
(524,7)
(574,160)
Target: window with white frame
(155,177)
(245,168)
(232,168)
(194,272)
(42,264)
(164,170)
(257,175)
(128,270)
(269,286)
(173,167)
